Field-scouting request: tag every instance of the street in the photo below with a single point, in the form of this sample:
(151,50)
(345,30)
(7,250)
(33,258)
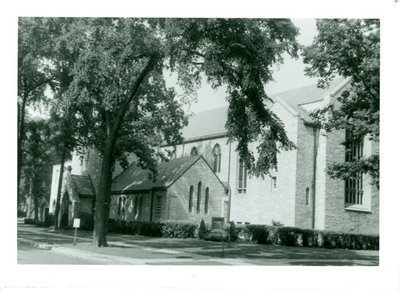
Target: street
(38,245)
(42,246)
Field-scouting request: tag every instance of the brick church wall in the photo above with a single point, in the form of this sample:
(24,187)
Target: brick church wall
(178,195)
(304,177)
(338,218)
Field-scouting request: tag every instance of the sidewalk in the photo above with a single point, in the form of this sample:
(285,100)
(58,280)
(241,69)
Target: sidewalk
(141,250)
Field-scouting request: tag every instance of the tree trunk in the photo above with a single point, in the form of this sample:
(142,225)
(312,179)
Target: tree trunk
(35,203)
(21,133)
(60,181)
(103,198)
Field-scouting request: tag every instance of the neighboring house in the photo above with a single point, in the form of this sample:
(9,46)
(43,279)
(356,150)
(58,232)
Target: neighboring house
(185,190)
(299,193)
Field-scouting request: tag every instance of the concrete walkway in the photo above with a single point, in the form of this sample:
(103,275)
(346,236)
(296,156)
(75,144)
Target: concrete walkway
(140,250)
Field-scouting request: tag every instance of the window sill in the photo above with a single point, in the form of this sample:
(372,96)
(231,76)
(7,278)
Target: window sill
(358,208)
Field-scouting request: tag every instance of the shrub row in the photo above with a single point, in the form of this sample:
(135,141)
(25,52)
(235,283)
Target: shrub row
(292,236)
(172,230)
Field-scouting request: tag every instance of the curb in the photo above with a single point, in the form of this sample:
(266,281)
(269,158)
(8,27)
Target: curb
(39,245)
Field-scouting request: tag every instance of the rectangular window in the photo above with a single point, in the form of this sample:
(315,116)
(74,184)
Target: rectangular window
(242,177)
(354,186)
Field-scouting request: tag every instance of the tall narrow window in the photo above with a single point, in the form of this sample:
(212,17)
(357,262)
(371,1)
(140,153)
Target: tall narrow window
(123,205)
(140,211)
(354,186)
(242,177)
(136,206)
(217,158)
(119,205)
(307,196)
(198,197)
(191,199)
(194,152)
(206,199)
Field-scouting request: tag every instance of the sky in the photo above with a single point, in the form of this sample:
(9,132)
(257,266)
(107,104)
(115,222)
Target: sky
(289,75)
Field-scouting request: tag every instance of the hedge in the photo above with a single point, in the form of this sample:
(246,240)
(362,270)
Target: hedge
(292,236)
(154,229)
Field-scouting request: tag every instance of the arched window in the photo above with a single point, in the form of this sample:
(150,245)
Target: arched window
(307,196)
(123,205)
(136,207)
(217,158)
(242,177)
(191,199)
(194,152)
(140,206)
(206,199)
(119,205)
(198,197)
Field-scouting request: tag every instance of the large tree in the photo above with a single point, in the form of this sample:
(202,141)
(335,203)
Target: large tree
(349,48)
(33,78)
(119,88)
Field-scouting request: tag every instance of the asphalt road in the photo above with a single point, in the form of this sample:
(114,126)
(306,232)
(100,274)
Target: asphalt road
(139,250)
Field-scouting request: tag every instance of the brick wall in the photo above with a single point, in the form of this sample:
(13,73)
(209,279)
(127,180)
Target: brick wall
(262,203)
(339,218)
(178,195)
(304,177)
(175,200)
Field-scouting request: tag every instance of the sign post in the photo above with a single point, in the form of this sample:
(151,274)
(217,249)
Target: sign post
(77,223)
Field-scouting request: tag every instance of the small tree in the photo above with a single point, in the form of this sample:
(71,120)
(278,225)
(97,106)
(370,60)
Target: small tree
(202,230)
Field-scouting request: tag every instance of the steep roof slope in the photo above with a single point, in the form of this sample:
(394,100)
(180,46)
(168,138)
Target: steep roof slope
(304,95)
(135,178)
(211,123)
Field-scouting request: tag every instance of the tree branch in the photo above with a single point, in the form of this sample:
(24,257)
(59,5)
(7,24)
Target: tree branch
(125,103)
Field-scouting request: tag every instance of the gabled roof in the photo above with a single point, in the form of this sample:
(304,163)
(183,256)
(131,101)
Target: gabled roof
(136,179)
(211,123)
(83,185)
(305,95)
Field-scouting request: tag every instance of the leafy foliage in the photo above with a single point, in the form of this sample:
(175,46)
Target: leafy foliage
(39,159)
(349,48)
(114,67)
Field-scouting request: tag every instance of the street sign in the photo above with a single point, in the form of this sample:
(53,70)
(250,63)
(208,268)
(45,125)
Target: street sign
(77,222)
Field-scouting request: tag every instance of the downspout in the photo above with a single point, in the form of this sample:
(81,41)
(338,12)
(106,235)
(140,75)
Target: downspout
(229,176)
(314,179)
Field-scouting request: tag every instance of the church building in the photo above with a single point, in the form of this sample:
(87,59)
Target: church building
(299,193)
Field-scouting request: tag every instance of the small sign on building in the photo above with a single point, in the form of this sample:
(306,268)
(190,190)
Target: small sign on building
(217,222)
